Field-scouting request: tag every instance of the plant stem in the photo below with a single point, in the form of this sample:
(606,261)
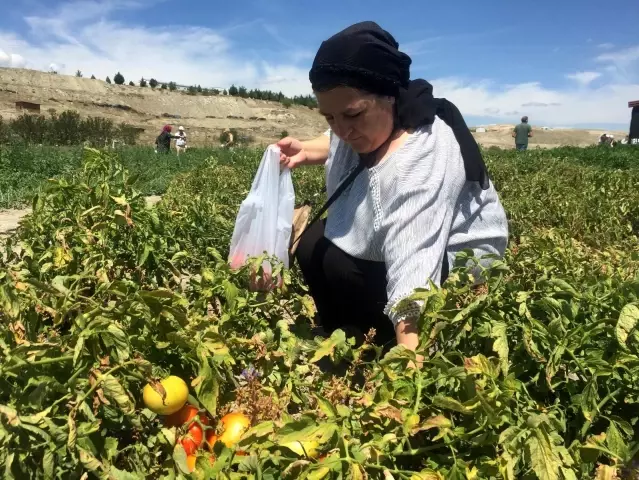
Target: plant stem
(45,361)
(601,404)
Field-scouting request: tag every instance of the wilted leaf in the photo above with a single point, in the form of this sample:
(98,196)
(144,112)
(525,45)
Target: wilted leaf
(628,319)
(500,344)
(113,390)
(480,365)
(606,472)
(88,460)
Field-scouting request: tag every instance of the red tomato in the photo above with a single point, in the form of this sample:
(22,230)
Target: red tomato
(183,416)
(211,438)
(192,440)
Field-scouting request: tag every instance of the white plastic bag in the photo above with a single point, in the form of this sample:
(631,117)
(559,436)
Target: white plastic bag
(264,221)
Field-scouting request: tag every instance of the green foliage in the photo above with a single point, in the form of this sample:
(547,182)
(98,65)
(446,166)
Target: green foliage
(92,77)
(131,84)
(233,91)
(153,83)
(163,87)
(143,83)
(67,128)
(118,79)
(531,375)
(78,74)
(172,86)
(284,133)
(108,80)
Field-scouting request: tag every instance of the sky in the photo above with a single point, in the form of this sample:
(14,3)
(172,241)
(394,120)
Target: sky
(563,63)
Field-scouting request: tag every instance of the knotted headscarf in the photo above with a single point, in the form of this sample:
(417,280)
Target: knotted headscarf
(367,57)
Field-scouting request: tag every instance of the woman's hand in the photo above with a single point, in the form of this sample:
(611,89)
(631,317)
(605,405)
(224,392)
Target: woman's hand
(292,152)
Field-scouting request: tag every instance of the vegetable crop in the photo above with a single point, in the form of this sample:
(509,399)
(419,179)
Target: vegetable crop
(533,374)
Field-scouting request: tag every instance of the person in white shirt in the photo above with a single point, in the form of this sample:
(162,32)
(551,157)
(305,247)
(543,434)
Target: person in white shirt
(409,187)
(180,142)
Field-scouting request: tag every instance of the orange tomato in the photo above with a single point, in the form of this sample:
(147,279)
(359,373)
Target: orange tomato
(235,424)
(190,462)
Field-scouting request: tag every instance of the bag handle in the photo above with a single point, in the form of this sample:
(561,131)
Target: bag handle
(343,186)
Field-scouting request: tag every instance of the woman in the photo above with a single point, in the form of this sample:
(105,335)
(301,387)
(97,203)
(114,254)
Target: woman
(163,141)
(180,142)
(421,193)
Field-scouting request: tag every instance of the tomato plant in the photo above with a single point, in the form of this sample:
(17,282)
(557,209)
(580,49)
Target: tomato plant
(530,375)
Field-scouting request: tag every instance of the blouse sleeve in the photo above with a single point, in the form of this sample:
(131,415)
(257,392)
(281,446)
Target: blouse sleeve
(419,219)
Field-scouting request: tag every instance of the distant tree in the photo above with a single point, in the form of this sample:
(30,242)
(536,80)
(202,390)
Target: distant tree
(191,90)
(224,92)
(78,74)
(108,80)
(92,77)
(287,102)
(199,89)
(163,87)
(131,83)
(118,79)
(215,91)
(233,91)
(172,86)
(142,82)
(153,83)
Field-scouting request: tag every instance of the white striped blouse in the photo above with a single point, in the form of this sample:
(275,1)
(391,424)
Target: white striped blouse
(412,209)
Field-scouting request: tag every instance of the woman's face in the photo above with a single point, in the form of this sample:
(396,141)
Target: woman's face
(362,120)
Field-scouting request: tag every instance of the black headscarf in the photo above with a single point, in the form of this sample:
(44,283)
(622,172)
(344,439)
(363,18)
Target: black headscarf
(367,57)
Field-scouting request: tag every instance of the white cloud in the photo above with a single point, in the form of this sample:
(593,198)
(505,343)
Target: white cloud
(584,78)
(606,46)
(606,104)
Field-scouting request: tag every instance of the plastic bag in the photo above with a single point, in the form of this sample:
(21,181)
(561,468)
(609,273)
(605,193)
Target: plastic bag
(264,221)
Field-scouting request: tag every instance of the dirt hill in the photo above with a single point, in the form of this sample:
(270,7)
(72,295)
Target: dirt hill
(206,117)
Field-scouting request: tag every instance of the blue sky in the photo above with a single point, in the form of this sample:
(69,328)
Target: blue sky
(563,63)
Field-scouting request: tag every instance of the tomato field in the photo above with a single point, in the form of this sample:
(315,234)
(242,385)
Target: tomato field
(534,374)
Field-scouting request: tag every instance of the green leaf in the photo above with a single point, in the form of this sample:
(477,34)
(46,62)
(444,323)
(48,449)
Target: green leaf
(179,457)
(113,390)
(120,342)
(230,293)
(543,458)
(326,407)
(115,474)
(208,389)
(48,464)
(616,443)
(448,403)
(627,322)
(327,348)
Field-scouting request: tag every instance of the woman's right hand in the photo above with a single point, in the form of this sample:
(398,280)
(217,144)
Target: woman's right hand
(292,153)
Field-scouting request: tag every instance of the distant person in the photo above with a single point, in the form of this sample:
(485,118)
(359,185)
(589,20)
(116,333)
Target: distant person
(180,142)
(163,140)
(522,133)
(606,139)
(227,138)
